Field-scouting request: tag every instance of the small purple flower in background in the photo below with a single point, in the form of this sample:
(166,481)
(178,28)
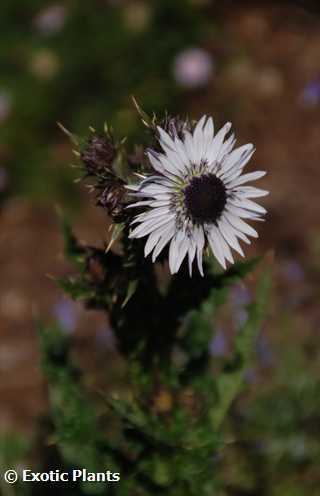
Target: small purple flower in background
(193,68)
(240,296)
(66,312)
(251,376)
(51,19)
(5,106)
(218,345)
(311,93)
(293,271)
(105,338)
(240,317)
(264,352)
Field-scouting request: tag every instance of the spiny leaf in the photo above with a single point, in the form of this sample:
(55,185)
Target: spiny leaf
(146,119)
(132,287)
(72,248)
(73,137)
(237,272)
(116,231)
(76,288)
(230,380)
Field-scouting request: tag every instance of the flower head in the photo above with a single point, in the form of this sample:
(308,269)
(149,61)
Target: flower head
(98,154)
(113,199)
(196,196)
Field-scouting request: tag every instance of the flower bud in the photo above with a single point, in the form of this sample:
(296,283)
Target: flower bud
(113,199)
(98,155)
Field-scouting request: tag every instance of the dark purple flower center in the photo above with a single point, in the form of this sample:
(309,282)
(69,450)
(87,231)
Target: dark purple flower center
(205,198)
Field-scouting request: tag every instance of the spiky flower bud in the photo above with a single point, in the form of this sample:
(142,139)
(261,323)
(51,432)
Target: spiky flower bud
(98,154)
(113,199)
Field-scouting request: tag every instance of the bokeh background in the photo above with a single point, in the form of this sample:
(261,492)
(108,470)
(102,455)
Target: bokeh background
(256,64)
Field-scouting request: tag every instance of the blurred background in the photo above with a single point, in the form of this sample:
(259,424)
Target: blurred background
(256,64)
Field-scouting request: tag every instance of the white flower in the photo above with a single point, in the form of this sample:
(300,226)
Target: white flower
(196,197)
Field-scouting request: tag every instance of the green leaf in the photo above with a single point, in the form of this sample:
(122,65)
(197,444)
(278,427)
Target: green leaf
(76,288)
(132,287)
(238,271)
(230,380)
(197,329)
(74,252)
(76,428)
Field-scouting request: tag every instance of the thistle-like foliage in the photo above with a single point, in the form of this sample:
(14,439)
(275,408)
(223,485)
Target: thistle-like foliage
(168,428)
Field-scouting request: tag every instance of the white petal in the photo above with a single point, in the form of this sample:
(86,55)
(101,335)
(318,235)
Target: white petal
(226,147)
(169,166)
(237,233)
(235,170)
(215,146)
(165,238)
(182,252)
(241,225)
(139,204)
(147,227)
(156,164)
(200,240)
(199,140)
(181,150)
(165,138)
(160,203)
(250,192)
(151,214)
(228,234)
(154,189)
(209,130)
(173,253)
(191,254)
(216,248)
(251,176)
(198,130)
(190,149)
(237,157)
(247,204)
(177,251)
(242,212)
(156,178)
(224,246)
(174,158)
(155,236)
